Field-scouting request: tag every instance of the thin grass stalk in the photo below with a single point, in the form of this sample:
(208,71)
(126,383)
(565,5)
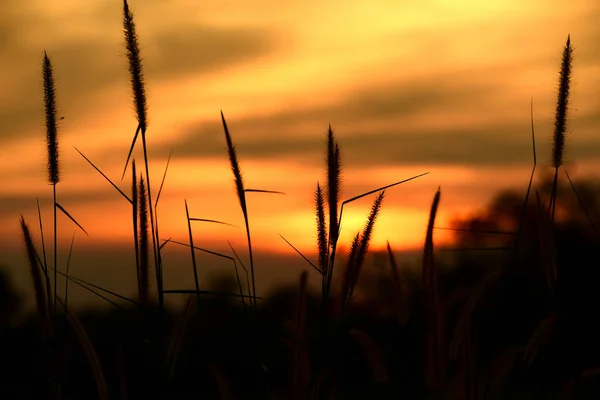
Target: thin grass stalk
(55,249)
(143,243)
(67,273)
(547,248)
(243,267)
(45,263)
(192,248)
(237,275)
(36,278)
(300,372)
(177,338)
(347,278)
(52,144)
(560,122)
(302,255)
(434,336)
(239,184)
(92,356)
(554,194)
(157,235)
(581,203)
(154,229)
(399,295)
(526,201)
(88,285)
(134,217)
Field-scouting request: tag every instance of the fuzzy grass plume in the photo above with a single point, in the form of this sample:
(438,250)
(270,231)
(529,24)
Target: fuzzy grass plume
(51,120)
(358,252)
(135,68)
(334,181)
(560,121)
(321,229)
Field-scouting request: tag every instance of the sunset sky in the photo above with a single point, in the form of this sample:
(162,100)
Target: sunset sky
(407,86)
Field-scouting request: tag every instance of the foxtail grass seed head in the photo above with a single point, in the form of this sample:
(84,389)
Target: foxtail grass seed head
(235,166)
(334,168)
(368,232)
(135,68)
(51,126)
(321,229)
(560,123)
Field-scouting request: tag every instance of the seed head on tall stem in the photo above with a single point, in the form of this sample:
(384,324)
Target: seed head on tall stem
(560,122)
(52,143)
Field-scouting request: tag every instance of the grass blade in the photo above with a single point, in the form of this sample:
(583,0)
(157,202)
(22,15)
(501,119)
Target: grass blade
(103,175)
(191,238)
(213,221)
(90,352)
(71,218)
(137,132)
(162,182)
(36,278)
(235,254)
(435,355)
(302,255)
(45,263)
(67,272)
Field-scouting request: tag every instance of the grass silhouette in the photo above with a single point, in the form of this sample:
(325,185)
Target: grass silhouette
(463,332)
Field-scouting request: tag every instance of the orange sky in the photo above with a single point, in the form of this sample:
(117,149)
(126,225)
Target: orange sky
(408,87)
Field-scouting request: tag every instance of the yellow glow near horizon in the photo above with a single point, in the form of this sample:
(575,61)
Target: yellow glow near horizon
(320,55)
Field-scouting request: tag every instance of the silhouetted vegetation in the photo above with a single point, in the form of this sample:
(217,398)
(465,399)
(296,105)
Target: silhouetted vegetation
(510,312)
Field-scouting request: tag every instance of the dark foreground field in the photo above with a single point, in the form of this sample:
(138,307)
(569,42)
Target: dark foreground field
(508,312)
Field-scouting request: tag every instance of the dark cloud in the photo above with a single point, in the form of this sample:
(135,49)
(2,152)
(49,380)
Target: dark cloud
(300,133)
(84,65)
